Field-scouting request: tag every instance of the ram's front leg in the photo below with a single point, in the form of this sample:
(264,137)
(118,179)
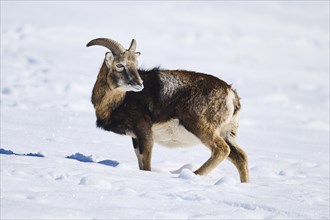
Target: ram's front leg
(145,143)
(137,152)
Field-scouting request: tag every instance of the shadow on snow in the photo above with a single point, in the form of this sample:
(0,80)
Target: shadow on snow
(77,156)
(9,152)
(88,159)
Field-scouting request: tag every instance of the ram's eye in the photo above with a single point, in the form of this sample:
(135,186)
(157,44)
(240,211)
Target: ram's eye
(119,65)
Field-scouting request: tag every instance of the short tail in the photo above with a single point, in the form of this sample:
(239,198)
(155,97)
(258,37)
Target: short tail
(237,104)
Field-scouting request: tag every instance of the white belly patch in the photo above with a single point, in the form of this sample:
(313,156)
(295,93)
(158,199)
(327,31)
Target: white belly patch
(172,134)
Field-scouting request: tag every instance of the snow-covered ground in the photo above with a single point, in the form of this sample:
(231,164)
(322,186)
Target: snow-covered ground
(56,164)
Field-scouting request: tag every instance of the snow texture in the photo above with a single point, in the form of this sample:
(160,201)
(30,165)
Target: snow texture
(275,53)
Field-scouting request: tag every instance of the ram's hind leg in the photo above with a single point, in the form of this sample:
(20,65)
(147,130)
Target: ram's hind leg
(239,158)
(219,151)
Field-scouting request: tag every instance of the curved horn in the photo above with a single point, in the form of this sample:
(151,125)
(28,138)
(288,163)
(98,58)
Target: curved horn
(133,45)
(112,45)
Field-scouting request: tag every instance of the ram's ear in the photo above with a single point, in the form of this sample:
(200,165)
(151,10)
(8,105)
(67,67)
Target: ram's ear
(109,59)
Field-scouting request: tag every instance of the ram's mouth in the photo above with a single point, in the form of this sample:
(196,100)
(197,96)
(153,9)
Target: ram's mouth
(137,87)
(130,87)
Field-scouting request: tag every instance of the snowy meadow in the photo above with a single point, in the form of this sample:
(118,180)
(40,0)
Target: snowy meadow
(55,163)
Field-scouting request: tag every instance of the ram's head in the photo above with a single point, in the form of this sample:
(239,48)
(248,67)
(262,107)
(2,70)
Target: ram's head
(122,64)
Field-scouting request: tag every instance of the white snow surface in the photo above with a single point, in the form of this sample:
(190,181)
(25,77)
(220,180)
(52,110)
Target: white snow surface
(275,53)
